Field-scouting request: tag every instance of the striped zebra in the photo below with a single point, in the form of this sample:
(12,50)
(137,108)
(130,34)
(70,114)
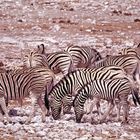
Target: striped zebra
(83,56)
(62,92)
(130,63)
(107,89)
(132,51)
(58,61)
(21,83)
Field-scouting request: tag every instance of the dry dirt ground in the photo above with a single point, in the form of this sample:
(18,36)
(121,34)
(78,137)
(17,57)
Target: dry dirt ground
(106,25)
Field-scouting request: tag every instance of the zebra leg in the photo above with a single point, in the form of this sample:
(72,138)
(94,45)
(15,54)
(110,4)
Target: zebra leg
(3,107)
(111,106)
(43,108)
(118,107)
(98,108)
(89,106)
(125,111)
(1,115)
(94,102)
(33,103)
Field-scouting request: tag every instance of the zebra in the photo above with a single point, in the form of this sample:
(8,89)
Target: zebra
(130,63)
(133,51)
(21,83)
(73,81)
(57,61)
(107,89)
(83,56)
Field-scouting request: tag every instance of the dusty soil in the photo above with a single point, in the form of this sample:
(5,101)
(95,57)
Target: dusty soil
(106,25)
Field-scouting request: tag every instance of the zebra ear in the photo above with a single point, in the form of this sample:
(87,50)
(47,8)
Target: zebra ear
(41,49)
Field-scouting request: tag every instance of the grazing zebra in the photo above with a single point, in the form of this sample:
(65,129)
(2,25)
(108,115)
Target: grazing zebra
(83,56)
(58,61)
(107,89)
(73,81)
(130,63)
(18,84)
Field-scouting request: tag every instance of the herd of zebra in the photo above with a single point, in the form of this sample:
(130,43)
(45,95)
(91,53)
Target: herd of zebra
(86,75)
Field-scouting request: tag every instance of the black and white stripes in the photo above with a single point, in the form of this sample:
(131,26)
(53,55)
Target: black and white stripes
(18,84)
(57,61)
(83,56)
(75,80)
(108,89)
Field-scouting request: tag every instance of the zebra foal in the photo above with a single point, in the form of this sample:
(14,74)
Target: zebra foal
(107,89)
(18,84)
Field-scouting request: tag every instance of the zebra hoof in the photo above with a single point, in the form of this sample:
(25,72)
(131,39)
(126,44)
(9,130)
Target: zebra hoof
(43,119)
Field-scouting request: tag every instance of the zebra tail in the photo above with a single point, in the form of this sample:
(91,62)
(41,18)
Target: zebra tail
(136,73)
(135,96)
(46,101)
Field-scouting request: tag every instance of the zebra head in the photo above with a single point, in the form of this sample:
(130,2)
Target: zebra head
(79,112)
(55,108)
(78,109)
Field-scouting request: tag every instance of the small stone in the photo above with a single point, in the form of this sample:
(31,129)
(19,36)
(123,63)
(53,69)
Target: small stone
(41,134)
(97,138)
(88,30)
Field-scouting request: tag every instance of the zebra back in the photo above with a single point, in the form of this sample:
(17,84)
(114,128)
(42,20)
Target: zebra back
(83,56)
(132,51)
(60,61)
(128,62)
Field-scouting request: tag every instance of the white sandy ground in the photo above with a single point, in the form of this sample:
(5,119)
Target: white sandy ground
(67,129)
(106,25)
